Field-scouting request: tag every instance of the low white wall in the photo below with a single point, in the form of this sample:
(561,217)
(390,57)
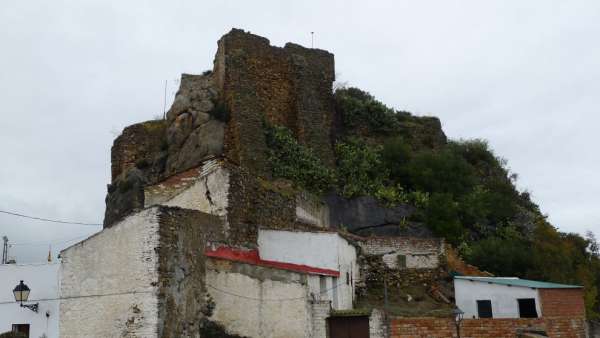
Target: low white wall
(259,308)
(204,189)
(105,269)
(316,249)
(43,280)
(503,297)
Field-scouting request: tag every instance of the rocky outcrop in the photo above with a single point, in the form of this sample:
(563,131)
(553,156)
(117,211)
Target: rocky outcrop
(366,215)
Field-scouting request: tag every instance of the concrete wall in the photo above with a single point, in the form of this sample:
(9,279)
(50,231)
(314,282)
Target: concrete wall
(259,302)
(317,249)
(503,297)
(109,267)
(43,280)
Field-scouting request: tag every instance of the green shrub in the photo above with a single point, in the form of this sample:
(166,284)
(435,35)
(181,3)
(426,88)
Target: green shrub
(360,170)
(359,109)
(441,216)
(293,161)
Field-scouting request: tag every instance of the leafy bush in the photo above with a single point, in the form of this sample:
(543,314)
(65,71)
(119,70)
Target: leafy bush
(441,215)
(359,109)
(359,168)
(295,162)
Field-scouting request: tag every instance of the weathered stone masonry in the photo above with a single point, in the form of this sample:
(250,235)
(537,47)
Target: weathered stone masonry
(290,86)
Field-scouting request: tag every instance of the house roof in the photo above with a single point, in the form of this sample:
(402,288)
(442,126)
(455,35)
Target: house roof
(514,281)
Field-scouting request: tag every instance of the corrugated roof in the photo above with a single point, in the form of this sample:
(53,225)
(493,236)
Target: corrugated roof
(514,281)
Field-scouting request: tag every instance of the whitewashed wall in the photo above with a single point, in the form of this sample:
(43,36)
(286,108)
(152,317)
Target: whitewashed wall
(260,308)
(119,260)
(317,249)
(349,273)
(204,189)
(43,280)
(503,297)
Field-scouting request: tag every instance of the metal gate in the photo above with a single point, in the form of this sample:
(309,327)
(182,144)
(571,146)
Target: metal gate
(348,327)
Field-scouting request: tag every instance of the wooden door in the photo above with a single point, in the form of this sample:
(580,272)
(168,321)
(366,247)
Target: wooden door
(348,327)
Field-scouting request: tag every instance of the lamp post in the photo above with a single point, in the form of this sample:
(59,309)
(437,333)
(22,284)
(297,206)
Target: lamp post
(458,317)
(21,292)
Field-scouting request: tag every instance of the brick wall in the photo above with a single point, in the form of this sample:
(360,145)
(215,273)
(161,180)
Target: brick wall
(562,302)
(485,328)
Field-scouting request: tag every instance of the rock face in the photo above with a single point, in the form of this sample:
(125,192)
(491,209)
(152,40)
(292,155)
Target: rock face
(366,215)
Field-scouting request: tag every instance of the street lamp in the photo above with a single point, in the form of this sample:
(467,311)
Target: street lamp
(458,317)
(21,292)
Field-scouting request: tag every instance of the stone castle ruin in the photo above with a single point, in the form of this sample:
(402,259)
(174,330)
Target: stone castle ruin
(200,240)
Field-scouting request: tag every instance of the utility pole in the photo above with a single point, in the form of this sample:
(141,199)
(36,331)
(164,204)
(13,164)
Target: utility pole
(5,250)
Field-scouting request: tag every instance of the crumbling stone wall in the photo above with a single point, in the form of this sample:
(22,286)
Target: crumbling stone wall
(418,253)
(253,202)
(182,294)
(290,86)
(137,144)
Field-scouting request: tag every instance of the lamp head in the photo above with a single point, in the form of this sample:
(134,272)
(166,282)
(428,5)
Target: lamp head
(21,292)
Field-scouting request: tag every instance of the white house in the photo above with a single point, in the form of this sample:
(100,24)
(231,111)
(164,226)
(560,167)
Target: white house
(285,288)
(43,281)
(512,297)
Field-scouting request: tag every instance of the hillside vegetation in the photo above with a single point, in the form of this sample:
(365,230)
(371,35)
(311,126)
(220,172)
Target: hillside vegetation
(461,190)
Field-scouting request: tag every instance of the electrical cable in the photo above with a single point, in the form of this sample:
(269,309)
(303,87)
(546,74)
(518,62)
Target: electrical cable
(144,292)
(271,300)
(82,296)
(51,241)
(48,219)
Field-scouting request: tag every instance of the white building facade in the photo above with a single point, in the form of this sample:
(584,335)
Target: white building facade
(501,297)
(43,281)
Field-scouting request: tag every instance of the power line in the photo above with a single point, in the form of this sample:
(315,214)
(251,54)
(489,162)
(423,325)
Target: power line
(81,296)
(48,219)
(53,241)
(271,299)
(145,292)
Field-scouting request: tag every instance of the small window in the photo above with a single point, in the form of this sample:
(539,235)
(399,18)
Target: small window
(347,278)
(401,261)
(322,287)
(21,328)
(484,308)
(527,308)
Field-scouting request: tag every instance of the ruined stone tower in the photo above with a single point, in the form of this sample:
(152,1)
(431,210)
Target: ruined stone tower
(222,114)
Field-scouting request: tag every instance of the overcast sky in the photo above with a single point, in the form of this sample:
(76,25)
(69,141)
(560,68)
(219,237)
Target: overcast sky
(524,75)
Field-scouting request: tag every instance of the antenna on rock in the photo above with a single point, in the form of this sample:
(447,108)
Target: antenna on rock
(312,39)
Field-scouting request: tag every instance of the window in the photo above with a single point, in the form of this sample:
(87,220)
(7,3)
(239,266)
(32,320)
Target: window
(484,308)
(21,328)
(527,308)
(401,261)
(322,287)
